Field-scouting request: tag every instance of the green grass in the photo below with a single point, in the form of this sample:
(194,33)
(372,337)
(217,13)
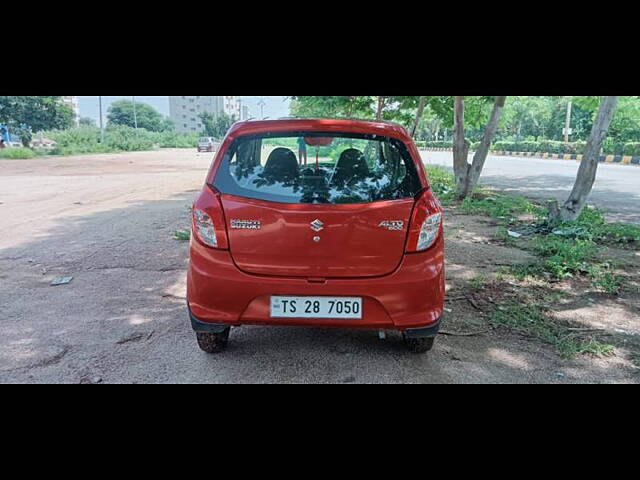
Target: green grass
(604,278)
(592,225)
(182,234)
(17,153)
(530,319)
(479,281)
(501,206)
(442,183)
(574,248)
(564,257)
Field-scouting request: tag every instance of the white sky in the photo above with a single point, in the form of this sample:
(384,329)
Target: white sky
(275,106)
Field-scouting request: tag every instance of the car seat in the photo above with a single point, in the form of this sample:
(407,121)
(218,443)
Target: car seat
(281,166)
(351,166)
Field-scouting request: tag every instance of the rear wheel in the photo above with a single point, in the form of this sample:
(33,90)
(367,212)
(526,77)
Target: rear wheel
(213,342)
(418,345)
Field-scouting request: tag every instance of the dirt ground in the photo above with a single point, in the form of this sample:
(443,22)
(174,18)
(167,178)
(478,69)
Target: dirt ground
(108,221)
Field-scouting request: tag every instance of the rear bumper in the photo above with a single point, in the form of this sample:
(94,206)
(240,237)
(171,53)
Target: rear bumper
(424,332)
(210,327)
(206,327)
(411,297)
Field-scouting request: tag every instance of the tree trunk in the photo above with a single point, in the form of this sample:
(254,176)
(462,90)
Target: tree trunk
(467,176)
(380,108)
(589,165)
(460,148)
(483,150)
(419,113)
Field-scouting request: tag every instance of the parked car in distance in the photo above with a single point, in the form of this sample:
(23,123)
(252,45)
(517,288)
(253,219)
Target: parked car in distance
(207,144)
(349,236)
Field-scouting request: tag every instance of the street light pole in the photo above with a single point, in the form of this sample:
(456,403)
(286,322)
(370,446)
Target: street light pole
(567,123)
(135,118)
(101,127)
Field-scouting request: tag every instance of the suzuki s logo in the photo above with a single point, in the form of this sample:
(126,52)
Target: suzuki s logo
(317,225)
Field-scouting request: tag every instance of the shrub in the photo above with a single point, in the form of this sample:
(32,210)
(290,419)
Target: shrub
(439,144)
(121,137)
(579,147)
(609,147)
(177,139)
(542,146)
(632,148)
(447,144)
(86,139)
(17,153)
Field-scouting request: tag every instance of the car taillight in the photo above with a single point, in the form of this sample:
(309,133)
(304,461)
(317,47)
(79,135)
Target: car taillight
(204,228)
(426,222)
(208,220)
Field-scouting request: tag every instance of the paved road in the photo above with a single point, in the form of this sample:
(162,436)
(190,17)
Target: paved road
(108,221)
(617,187)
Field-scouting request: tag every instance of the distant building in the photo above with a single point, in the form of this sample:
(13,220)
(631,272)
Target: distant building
(184,111)
(232,106)
(72,102)
(245,113)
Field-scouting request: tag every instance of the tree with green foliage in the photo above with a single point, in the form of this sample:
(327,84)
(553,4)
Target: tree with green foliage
(87,122)
(216,125)
(429,126)
(25,115)
(332,106)
(122,113)
(625,126)
(405,110)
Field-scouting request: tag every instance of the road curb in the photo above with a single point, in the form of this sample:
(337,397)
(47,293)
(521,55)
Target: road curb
(621,159)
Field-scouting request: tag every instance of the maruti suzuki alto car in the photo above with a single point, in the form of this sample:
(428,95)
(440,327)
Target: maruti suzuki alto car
(350,236)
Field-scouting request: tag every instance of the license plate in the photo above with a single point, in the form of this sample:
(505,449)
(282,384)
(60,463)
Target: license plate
(316,307)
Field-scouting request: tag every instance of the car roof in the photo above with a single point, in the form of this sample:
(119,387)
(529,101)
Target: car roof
(386,129)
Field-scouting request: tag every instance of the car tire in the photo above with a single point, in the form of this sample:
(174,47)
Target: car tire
(213,342)
(418,345)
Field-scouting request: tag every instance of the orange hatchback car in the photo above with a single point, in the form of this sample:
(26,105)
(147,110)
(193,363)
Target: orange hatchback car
(316,222)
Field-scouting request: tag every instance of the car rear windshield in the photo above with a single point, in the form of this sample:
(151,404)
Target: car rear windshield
(316,167)
(204,139)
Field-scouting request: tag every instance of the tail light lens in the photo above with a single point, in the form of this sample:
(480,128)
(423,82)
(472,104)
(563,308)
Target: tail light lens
(429,231)
(204,228)
(426,223)
(208,220)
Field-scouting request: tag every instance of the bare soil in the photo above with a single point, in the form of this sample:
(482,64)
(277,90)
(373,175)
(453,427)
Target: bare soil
(109,220)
